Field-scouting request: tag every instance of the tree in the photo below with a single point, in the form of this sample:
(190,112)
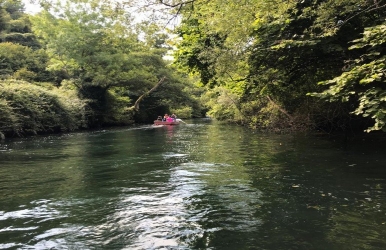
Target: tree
(22,62)
(15,25)
(94,44)
(89,40)
(280,51)
(364,79)
(109,58)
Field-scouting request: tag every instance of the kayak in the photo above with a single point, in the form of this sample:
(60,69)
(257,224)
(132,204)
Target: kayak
(157,122)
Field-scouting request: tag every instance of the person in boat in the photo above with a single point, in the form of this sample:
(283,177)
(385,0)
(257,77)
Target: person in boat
(165,117)
(159,118)
(174,117)
(169,119)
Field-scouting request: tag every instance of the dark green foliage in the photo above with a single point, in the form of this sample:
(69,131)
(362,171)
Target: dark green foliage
(280,53)
(105,107)
(23,63)
(176,95)
(195,50)
(19,54)
(115,111)
(30,109)
(92,44)
(15,25)
(362,84)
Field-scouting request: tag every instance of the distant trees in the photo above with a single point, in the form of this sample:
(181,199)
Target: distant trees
(95,43)
(15,25)
(19,48)
(92,48)
(279,65)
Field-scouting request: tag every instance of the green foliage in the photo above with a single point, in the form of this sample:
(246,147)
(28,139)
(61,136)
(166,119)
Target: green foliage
(216,41)
(13,7)
(372,103)
(222,104)
(265,115)
(177,94)
(24,74)
(27,108)
(195,52)
(116,110)
(89,40)
(364,79)
(95,43)
(279,51)
(22,62)
(19,56)
(183,112)
(9,120)
(15,25)
(92,67)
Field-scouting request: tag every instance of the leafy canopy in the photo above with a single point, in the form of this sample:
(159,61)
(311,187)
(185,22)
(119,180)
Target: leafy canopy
(89,40)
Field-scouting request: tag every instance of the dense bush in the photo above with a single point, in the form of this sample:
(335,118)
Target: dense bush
(183,112)
(116,112)
(26,108)
(22,63)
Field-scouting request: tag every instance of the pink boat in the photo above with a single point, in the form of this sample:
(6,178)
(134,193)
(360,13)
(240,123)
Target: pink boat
(157,122)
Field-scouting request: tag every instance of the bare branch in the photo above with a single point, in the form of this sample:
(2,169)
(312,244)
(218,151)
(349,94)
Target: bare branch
(373,7)
(280,108)
(136,105)
(177,4)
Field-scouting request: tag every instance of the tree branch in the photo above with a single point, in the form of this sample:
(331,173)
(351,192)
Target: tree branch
(180,4)
(280,108)
(373,7)
(136,104)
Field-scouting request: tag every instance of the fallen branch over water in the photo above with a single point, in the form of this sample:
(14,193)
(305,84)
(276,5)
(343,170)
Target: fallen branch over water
(135,107)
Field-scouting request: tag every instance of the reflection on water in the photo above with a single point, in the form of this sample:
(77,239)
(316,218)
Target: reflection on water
(198,186)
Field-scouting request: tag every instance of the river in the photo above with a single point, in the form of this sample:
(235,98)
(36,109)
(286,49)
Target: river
(203,185)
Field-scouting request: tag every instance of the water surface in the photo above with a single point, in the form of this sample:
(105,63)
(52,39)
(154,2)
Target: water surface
(203,185)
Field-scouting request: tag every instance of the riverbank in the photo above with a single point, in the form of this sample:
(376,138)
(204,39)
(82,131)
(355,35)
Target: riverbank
(29,109)
(41,108)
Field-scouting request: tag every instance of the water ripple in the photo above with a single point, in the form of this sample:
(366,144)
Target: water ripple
(189,187)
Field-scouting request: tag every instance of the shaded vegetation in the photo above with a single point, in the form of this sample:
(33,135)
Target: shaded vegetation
(279,66)
(81,64)
(29,109)
(276,57)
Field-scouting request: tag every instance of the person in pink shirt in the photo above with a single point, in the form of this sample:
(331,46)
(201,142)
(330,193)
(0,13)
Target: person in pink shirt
(169,119)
